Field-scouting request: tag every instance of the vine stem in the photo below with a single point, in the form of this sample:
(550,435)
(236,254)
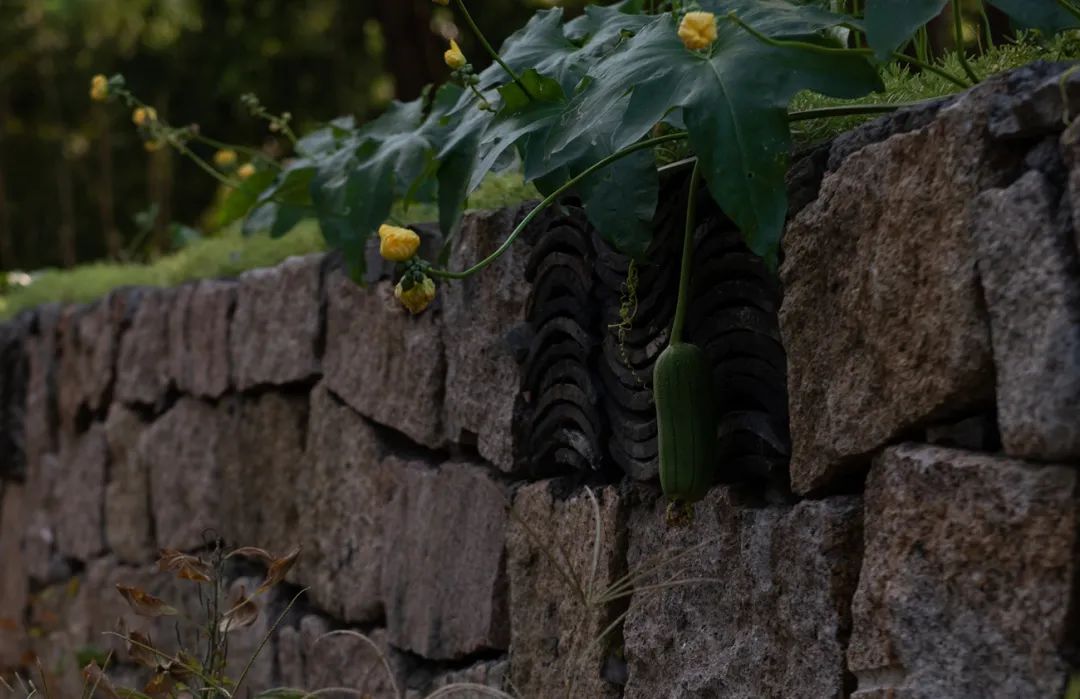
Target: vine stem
(958,33)
(551,199)
(687,257)
(203,165)
(253,153)
(842,110)
(489,48)
(923,65)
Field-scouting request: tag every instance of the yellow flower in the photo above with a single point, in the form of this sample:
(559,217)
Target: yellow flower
(143,115)
(245,171)
(418,297)
(397,244)
(698,30)
(454,57)
(225,158)
(99,88)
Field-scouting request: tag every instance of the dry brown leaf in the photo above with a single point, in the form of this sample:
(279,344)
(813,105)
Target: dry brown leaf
(279,568)
(94,676)
(187,567)
(160,685)
(141,650)
(145,604)
(243,613)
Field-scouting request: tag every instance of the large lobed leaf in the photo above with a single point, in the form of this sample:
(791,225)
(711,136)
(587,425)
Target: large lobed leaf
(551,58)
(734,101)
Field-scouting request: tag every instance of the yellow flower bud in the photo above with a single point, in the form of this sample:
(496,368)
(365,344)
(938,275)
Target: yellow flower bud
(153,146)
(225,158)
(698,30)
(397,244)
(418,297)
(143,115)
(245,171)
(454,57)
(99,88)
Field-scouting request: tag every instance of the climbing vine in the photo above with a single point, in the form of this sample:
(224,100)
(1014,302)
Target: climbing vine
(582,106)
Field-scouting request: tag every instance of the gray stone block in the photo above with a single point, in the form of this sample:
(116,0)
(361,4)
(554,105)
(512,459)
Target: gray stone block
(277,326)
(342,492)
(967,577)
(882,315)
(1029,274)
(389,366)
(443,576)
(773,619)
(181,451)
(199,357)
(555,621)
(479,314)
(142,369)
(128,521)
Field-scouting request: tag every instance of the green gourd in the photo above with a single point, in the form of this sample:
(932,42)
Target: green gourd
(683,395)
(685,420)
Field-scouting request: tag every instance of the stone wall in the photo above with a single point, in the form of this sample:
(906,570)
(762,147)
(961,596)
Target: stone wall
(474,489)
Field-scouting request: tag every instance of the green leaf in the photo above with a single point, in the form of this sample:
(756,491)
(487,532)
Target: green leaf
(355,183)
(1048,16)
(564,52)
(734,101)
(891,23)
(240,200)
(285,202)
(519,118)
(620,201)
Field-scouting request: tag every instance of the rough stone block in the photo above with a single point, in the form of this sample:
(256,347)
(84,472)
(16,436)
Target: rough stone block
(14,575)
(76,504)
(308,658)
(479,314)
(41,393)
(142,369)
(89,346)
(386,364)
(882,315)
(444,577)
(13,380)
(774,619)
(199,338)
(967,576)
(262,459)
(127,495)
(494,674)
(276,328)
(181,451)
(1028,269)
(342,491)
(553,628)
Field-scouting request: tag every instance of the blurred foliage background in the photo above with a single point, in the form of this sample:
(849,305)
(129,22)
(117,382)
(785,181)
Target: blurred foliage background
(75,181)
